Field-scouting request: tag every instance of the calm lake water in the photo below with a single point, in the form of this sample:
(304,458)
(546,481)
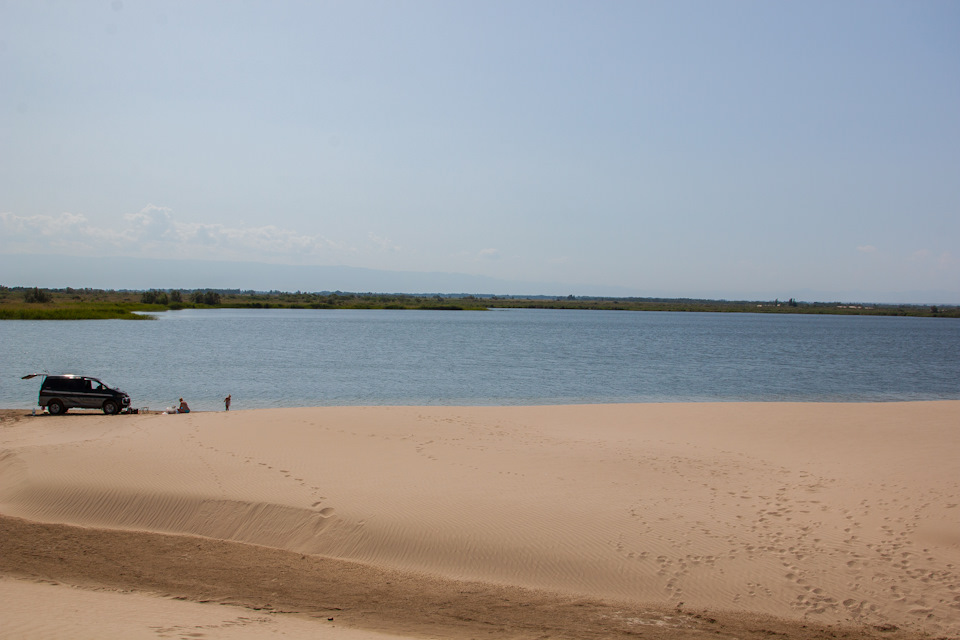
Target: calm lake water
(286,358)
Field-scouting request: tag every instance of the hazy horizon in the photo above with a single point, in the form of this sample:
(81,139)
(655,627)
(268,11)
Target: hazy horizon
(136,274)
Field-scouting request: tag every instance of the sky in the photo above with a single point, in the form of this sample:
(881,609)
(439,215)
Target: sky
(691,148)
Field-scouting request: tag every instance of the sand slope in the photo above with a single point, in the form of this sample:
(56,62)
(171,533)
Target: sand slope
(829,513)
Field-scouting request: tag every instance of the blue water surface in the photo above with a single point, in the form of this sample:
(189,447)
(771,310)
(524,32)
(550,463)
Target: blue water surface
(286,358)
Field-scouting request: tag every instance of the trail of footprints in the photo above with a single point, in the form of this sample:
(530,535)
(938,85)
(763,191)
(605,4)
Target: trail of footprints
(314,490)
(786,520)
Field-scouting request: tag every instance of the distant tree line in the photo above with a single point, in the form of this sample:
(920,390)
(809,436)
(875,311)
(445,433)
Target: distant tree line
(211,298)
(37,295)
(155,297)
(70,303)
(175,297)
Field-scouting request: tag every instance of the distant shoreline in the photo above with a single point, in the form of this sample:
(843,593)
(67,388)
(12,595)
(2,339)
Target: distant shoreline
(25,303)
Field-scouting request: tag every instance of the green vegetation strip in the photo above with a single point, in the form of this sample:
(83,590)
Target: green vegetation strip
(71,312)
(21,303)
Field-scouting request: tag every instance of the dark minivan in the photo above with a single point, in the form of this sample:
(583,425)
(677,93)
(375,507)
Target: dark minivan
(60,393)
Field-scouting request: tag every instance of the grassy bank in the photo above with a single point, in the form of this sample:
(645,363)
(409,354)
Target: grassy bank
(72,312)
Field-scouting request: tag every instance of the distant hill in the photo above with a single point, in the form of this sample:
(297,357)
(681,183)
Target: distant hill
(51,271)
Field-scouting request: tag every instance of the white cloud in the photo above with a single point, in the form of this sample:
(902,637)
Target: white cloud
(50,226)
(867,248)
(489,254)
(383,243)
(151,222)
(66,233)
(155,232)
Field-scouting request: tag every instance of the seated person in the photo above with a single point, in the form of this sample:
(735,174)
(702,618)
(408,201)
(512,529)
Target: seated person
(183,407)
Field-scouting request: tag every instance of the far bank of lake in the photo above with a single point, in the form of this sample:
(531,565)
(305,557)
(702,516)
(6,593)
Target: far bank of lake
(22,303)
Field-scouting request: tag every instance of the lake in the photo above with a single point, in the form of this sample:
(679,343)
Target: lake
(286,358)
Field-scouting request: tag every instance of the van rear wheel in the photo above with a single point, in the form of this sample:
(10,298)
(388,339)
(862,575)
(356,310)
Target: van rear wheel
(55,408)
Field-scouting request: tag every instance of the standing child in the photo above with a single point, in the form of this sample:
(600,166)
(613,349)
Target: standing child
(226,402)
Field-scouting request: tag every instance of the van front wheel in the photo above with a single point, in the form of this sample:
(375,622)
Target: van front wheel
(110,407)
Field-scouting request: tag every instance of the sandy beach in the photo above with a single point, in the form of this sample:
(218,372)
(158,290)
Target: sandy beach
(746,520)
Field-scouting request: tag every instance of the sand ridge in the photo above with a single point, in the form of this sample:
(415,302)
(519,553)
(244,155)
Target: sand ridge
(816,513)
(244,589)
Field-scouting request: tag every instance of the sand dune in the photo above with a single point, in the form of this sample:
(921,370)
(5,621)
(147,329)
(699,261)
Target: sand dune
(839,514)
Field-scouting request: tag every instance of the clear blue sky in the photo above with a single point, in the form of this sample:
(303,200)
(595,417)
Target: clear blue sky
(804,149)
